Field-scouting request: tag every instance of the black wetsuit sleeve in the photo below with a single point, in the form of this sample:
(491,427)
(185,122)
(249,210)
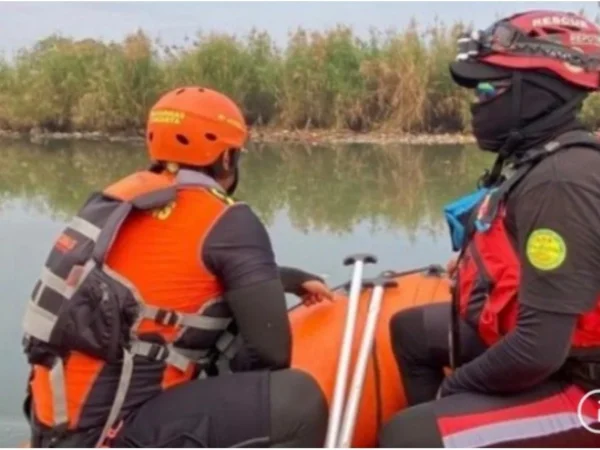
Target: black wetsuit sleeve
(537,347)
(239,252)
(558,233)
(238,249)
(292,279)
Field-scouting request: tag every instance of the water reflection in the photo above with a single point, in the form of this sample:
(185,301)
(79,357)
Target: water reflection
(320,189)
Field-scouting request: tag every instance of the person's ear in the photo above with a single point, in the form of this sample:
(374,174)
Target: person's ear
(226,162)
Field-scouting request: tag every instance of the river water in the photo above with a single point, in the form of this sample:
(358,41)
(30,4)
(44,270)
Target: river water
(318,203)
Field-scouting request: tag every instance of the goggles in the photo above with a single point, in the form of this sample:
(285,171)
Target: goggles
(486,90)
(505,38)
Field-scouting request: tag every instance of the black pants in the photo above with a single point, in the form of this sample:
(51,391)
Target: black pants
(249,409)
(545,416)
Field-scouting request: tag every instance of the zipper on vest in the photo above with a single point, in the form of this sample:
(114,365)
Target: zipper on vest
(482,271)
(480,289)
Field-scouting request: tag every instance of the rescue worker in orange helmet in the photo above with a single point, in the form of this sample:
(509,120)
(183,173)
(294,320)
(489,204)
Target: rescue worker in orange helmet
(159,318)
(522,333)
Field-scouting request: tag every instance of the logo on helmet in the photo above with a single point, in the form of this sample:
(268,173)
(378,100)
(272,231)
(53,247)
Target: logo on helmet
(167,116)
(585,39)
(230,121)
(566,21)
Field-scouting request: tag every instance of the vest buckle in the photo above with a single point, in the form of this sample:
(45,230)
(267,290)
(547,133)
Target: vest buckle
(167,317)
(158,352)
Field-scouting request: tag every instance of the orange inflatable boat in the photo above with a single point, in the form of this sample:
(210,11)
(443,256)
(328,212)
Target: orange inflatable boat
(318,332)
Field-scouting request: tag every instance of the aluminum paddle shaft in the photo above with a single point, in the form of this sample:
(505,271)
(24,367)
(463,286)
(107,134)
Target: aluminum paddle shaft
(360,370)
(341,380)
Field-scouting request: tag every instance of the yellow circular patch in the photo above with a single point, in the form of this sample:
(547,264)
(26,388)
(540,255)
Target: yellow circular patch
(546,249)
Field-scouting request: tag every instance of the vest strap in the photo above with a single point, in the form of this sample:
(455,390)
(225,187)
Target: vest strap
(87,229)
(524,165)
(173,318)
(59,396)
(122,388)
(228,345)
(38,322)
(174,356)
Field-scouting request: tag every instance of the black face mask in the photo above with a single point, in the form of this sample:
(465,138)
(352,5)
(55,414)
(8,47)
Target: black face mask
(539,112)
(492,121)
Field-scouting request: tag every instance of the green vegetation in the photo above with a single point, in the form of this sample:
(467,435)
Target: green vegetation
(393,81)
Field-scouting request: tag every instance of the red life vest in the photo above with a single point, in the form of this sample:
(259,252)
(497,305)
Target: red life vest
(488,275)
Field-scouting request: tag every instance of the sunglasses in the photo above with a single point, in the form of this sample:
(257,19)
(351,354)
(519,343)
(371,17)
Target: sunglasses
(486,90)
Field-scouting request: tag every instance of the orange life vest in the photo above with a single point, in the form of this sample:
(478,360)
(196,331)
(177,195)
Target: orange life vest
(124,306)
(488,272)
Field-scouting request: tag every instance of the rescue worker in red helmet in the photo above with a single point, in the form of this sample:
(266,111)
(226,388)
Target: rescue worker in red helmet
(159,319)
(522,333)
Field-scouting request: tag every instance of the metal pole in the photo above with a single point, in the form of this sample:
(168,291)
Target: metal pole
(360,370)
(346,347)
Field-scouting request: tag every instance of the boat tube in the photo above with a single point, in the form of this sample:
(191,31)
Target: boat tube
(317,339)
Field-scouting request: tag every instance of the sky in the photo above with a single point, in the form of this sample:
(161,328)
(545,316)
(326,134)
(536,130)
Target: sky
(23,23)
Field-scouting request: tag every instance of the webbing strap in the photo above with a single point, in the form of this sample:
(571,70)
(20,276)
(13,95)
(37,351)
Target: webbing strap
(59,396)
(110,231)
(122,388)
(566,140)
(204,322)
(56,283)
(193,178)
(179,358)
(229,344)
(82,226)
(524,165)
(199,356)
(38,322)
(168,317)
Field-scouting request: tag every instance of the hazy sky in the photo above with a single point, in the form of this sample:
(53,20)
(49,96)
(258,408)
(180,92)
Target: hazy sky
(22,23)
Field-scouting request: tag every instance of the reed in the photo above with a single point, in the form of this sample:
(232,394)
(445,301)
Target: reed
(393,80)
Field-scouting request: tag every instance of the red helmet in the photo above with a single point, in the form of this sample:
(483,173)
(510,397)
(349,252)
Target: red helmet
(565,44)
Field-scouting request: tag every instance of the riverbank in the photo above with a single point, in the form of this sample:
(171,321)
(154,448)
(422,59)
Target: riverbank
(264,135)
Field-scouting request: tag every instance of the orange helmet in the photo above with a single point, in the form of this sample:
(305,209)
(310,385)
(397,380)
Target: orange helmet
(194,125)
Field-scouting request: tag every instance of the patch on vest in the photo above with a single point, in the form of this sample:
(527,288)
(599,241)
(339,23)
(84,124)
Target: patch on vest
(546,249)
(164,212)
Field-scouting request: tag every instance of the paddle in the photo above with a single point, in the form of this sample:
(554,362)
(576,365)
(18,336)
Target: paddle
(359,260)
(356,388)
